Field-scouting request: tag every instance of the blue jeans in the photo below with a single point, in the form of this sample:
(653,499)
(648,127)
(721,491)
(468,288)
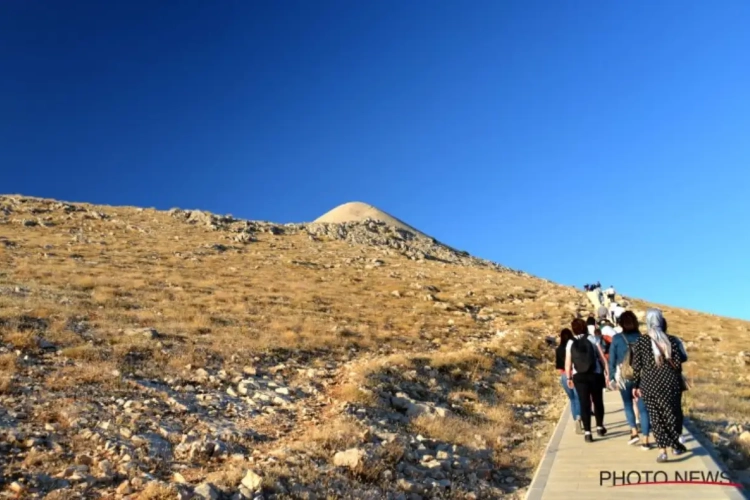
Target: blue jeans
(575,404)
(627,402)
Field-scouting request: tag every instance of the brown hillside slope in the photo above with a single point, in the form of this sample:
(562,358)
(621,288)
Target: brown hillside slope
(145,354)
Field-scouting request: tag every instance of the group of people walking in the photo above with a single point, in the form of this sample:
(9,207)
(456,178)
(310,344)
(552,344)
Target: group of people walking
(646,368)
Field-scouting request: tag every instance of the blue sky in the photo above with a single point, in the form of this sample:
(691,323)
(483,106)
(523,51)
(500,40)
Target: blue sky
(573,140)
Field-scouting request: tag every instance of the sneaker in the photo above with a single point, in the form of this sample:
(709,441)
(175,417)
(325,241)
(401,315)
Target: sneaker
(662,458)
(646,447)
(634,439)
(588,438)
(601,431)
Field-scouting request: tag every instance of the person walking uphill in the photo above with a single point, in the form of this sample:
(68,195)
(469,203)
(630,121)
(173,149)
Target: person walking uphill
(585,369)
(575,406)
(621,377)
(657,378)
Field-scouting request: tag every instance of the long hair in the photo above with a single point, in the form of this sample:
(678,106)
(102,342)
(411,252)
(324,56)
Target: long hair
(565,336)
(578,326)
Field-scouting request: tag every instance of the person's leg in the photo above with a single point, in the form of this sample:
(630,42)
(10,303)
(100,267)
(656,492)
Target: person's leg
(597,395)
(637,411)
(657,412)
(572,397)
(627,405)
(583,388)
(645,421)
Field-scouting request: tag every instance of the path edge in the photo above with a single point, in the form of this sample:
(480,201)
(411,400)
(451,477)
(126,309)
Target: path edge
(712,457)
(539,481)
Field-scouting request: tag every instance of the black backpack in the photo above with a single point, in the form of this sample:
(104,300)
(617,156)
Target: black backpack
(583,356)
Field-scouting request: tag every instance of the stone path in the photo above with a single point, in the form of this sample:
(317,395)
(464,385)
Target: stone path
(572,468)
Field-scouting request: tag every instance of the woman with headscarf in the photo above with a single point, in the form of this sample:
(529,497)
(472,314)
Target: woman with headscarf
(657,378)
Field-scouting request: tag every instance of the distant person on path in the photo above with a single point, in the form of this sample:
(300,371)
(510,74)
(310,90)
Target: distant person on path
(575,405)
(587,288)
(608,334)
(612,310)
(602,312)
(611,293)
(618,311)
(657,377)
(590,325)
(620,358)
(586,370)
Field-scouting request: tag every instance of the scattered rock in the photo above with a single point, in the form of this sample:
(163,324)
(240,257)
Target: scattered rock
(124,488)
(207,491)
(351,458)
(252,481)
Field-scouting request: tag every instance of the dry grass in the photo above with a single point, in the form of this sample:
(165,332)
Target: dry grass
(334,435)
(157,491)
(230,475)
(100,373)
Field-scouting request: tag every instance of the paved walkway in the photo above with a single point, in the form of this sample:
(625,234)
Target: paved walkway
(572,468)
(594,299)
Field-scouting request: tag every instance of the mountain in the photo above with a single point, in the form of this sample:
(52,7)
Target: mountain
(155,353)
(356,211)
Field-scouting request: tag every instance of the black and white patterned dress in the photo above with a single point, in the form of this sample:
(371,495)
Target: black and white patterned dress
(662,390)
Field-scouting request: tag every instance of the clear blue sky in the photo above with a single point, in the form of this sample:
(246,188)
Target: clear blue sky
(573,140)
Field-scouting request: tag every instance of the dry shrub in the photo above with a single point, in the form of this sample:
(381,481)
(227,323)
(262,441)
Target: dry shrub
(230,476)
(70,377)
(354,393)
(6,384)
(158,491)
(84,352)
(480,430)
(8,363)
(337,434)
(458,363)
(23,340)
(35,458)
(464,360)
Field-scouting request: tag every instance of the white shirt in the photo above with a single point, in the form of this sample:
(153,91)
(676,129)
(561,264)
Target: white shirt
(610,291)
(594,342)
(618,311)
(608,330)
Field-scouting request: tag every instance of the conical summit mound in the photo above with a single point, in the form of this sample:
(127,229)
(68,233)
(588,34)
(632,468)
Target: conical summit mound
(357,211)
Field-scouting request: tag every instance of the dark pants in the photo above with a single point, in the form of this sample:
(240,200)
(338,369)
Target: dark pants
(611,298)
(590,387)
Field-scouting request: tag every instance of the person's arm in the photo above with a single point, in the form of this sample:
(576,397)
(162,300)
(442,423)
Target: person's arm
(637,362)
(613,352)
(603,361)
(677,356)
(568,365)
(683,352)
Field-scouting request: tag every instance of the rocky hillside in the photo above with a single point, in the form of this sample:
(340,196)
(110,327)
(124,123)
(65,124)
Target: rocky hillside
(152,355)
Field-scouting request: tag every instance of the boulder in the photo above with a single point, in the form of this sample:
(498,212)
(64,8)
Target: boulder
(350,458)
